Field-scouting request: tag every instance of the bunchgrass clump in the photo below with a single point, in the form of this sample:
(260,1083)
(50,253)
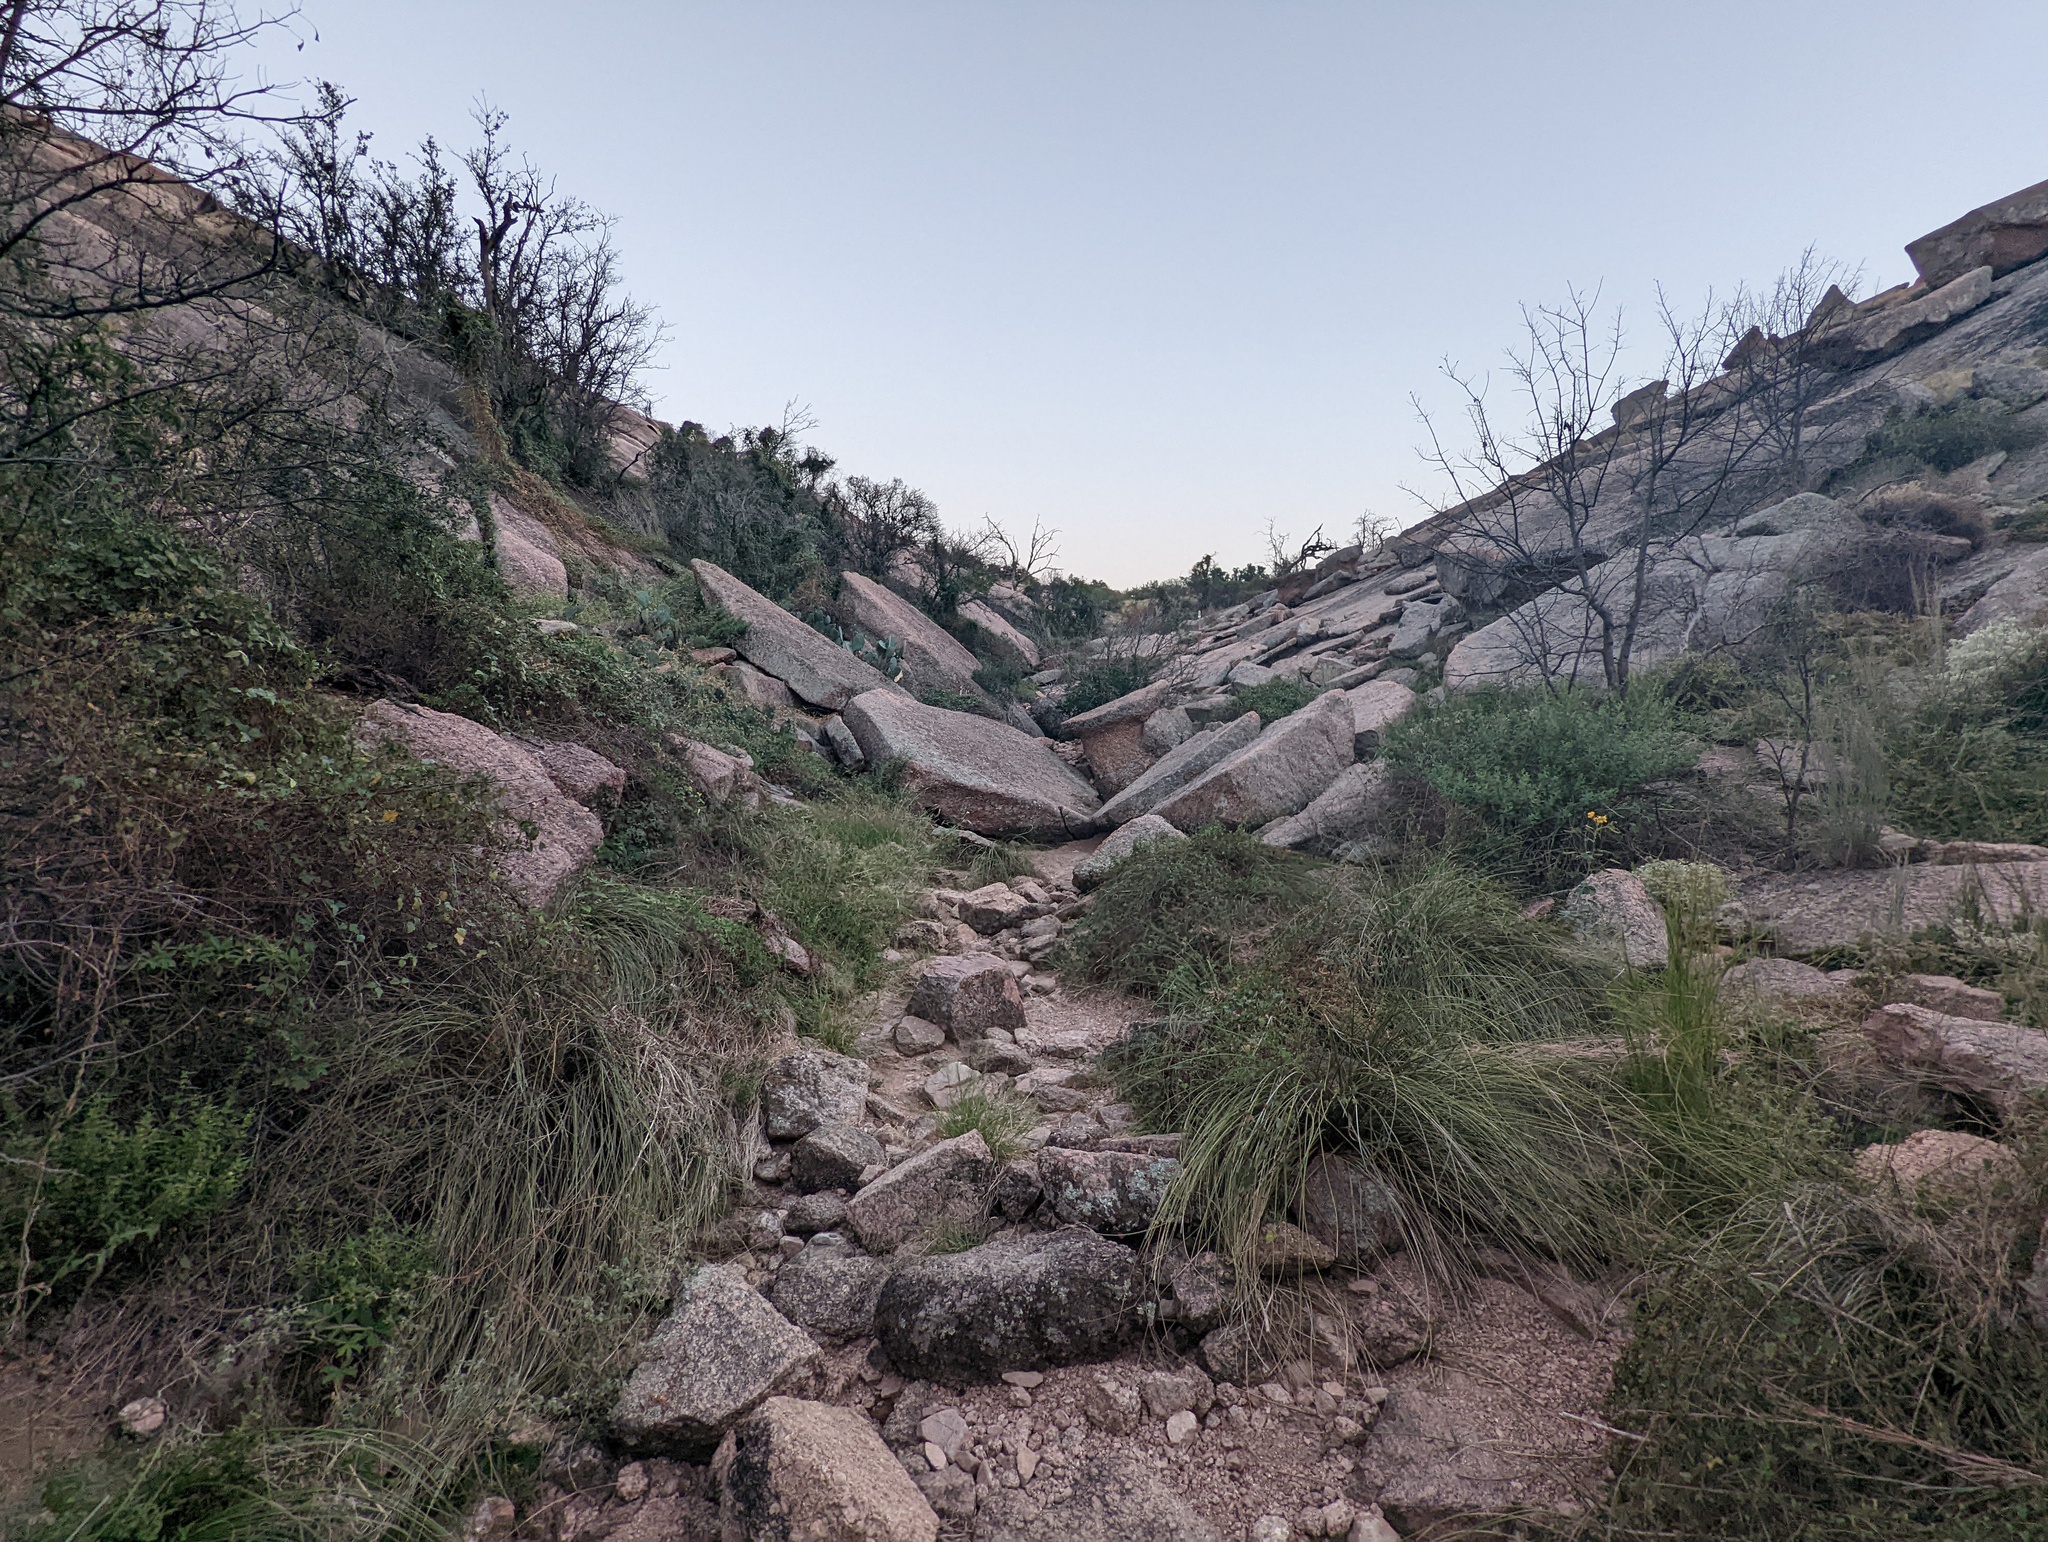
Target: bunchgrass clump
(998,862)
(1400,1023)
(1175,902)
(1000,1118)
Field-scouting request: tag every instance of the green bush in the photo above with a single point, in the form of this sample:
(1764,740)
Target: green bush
(1552,774)
(1275,699)
(1950,437)
(80,1191)
(1103,681)
(1177,902)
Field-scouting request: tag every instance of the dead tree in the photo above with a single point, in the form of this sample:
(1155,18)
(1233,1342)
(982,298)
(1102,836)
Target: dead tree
(1593,489)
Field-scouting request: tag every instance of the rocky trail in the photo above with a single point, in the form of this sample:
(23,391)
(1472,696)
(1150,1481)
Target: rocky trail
(904,1337)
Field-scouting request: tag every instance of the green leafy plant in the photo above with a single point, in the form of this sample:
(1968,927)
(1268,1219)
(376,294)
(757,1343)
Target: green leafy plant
(1275,699)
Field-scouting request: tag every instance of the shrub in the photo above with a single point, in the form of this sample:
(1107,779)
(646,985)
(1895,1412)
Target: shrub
(1104,681)
(1275,699)
(1178,902)
(1950,437)
(1534,765)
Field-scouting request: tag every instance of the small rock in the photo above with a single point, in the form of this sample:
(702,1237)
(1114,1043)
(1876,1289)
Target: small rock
(1025,1379)
(803,1469)
(1371,1526)
(143,1416)
(993,1056)
(969,993)
(1180,1426)
(494,1518)
(1111,1404)
(1027,1463)
(915,1036)
(812,1213)
(720,1352)
(631,1482)
(1113,1192)
(950,1083)
(945,1183)
(935,1454)
(772,1168)
(1270,1528)
(810,1088)
(1287,1249)
(833,1156)
(1145,830)
(1167,1393)
(946,1429)
(1612,911)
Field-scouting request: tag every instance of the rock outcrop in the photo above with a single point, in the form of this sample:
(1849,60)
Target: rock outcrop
(1145,830)
(2000,1064)
(566,835)
(945,1184)
(1277,774)
(810,664)
(983,775)
(932,658)
(1186,762)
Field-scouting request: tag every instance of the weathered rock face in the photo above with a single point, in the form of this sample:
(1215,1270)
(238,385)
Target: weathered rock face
(813,1087)
(578,770)
(1019,1303)
(1710,591)
(1145,830)
(1277,774)
(1940,1169)
(819,671)
(534,870)
(1945,993)
(1113,735)
(1376,706)
(1612,911)
(831,1288)
(1166,730)
(1781,978)
(527,557)
(932,658)
(1815,912)
(1352,817)
(1351,1212)
(1432,1458)
(1186,762)
(999,630)
(978,773)
(2007,233)
(809,1472)
(719,1353)
(1113,1192)
(2000,1064)
(946,1183)
(1111,1496)
(968,993)
(1866,339)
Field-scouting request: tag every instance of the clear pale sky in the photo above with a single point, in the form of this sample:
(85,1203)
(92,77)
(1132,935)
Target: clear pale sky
(1156,273)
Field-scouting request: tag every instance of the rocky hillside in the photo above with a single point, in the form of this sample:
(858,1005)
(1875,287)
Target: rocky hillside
(678,1000)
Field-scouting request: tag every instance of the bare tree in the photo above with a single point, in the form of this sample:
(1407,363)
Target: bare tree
(116,116)
(1030,563)
(1595,488)
(1284,558)
(1779,367)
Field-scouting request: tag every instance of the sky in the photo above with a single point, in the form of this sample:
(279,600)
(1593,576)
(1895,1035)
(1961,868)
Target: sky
(1159,275)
